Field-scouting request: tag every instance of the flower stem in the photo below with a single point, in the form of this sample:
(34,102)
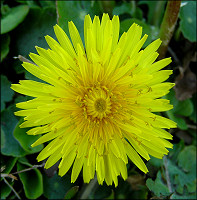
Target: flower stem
(168,25)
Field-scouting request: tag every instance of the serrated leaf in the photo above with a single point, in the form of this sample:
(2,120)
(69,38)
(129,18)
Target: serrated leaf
(6,92)
(188,20)
(15,16)
(26,140)
(56,187)
(32,182)
(5,41)
(157,186)
(11,146)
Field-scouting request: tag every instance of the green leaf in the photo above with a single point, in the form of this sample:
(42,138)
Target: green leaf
(6,92)
(182,170)
(29,35)
(75,11)
(10,146)
(180,121)
(5,41)
(193,115)
(188,20)
(157,186)
(56,187)
(122,9)
(32,182)
(155,11)
(15,16)
(187,154)
(8,162)
(71,192)
(5,189)
(180,108)
(146,29)
(26,140)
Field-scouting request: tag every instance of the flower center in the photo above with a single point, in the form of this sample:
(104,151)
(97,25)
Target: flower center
(100,105)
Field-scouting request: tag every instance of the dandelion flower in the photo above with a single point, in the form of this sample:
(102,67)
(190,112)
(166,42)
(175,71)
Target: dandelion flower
(97,104)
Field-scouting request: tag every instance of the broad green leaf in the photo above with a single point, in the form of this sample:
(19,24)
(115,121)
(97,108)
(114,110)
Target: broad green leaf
(5,41)
(26,140)
(56,187)
(75,11)
(6,92)
(32,181)
(29,35)
(146,29)
(71,192)
(15,16)
(11,146)
(157,186)
(188,20)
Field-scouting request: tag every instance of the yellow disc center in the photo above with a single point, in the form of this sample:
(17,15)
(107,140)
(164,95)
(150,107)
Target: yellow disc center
(100,105)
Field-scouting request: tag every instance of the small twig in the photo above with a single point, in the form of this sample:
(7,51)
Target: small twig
(24,170)
(165,161)
(28,169)
(17,195)
(88,189)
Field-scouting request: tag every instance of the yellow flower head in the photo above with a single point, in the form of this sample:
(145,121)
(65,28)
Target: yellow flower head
(96,105)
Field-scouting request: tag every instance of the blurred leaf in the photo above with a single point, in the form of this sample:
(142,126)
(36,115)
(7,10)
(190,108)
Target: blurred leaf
(11,146)
(47,3)
(15,16)
(75,11)
(8,162)
(146,29)
(155,11)
(6,92)
(5,189)
(128,8)
(5,41)
(183,108)
(188,20)
(193,116)
(157,186)
(111,196)
(122,9)
(32,182)
(71,192)
(56,187)
(180,121)
(26,140)
(28,35)
(102,192)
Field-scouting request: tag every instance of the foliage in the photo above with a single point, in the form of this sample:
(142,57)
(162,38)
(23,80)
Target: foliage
(23,26)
